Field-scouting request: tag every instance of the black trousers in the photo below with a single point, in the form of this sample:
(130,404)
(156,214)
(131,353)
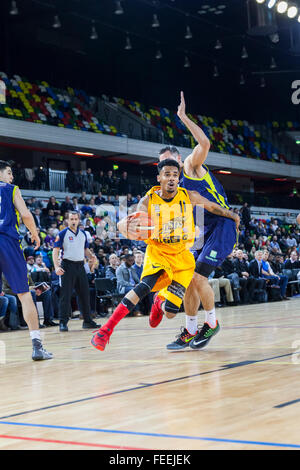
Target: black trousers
(74,278)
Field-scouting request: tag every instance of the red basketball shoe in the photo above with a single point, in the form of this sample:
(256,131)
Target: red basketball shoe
(156,313)
(101,338)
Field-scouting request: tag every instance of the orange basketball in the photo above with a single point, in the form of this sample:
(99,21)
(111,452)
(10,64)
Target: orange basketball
(140,226)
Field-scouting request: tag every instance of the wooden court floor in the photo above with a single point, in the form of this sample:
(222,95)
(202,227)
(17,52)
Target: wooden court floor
(241,392)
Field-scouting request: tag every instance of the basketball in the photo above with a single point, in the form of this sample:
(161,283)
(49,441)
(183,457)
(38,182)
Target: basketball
(140,226)
(298,219)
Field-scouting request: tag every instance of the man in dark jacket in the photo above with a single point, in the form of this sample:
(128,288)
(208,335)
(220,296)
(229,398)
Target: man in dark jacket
(247,282)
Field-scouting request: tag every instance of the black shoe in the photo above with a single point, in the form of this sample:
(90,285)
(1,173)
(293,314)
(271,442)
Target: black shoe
(89,325)
(204,336)
(63,327)
(38,352)
(41,326)
(183,340)
(50,323)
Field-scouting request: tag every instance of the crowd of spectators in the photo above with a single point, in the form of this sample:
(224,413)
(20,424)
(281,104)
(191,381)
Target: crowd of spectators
(109,182)
(264,266)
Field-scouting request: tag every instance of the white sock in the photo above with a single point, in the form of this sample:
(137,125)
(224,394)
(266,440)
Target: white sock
(35,334)
(210,318)
(191,324)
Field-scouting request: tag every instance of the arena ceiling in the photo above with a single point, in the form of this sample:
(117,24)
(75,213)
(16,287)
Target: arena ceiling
(205,47)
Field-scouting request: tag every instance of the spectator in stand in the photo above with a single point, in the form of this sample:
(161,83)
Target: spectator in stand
(49,219)
(30,263)
(89,181)
(127,279)
(3,309)
(110,183)
(247,282)
(216,284)
(274,245)
(255,270)
(291,241)
(110,270)
(292,262)
(53,205)
(89,227)
(37,217)
(39,265)
(99,199)
(71,182)
(75,204)
(36,203)
(50,238)
(83,199)
(275,279)
(124,187)
(13,319)
(66,206)
(274,225)
(246,215)
(289,219)
(46,298)
(99,181)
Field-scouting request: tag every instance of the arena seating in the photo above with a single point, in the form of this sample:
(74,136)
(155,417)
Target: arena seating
(72,108)
(40,103)
(234,137)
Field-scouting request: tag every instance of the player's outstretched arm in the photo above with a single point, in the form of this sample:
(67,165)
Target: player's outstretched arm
(123,224)
(212,207)
(27,217)
(199,154)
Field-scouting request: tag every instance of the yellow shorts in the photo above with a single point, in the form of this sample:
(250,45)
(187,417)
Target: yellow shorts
(178,272)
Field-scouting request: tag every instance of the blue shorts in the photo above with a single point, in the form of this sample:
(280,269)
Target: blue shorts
(219,241)
(13,265)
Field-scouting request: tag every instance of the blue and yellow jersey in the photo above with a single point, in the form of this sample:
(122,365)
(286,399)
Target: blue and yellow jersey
(174,221)
(9,216)
(208,187)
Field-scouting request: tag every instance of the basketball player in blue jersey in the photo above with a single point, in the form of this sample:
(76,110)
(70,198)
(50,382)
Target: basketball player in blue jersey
(12,261)
(219,236)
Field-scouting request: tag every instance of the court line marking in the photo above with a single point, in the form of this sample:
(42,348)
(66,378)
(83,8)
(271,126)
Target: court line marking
(287,403)
(72,443)
(151,434)
(223,368)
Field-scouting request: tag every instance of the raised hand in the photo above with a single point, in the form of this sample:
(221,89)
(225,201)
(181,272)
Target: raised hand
(181,108)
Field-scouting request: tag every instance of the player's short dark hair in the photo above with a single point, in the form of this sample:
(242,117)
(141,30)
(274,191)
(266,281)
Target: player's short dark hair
(169,148)
(167,162)
(4,164)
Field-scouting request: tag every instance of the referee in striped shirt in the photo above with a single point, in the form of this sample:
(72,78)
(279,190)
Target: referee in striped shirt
(73,242)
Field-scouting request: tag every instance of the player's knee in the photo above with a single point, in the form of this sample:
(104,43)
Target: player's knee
(171,309)
(142,289)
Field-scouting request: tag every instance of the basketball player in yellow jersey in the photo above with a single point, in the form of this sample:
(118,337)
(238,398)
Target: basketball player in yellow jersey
(169,266)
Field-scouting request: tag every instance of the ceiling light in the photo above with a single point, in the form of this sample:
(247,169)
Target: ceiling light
(282,7)
(155,22)
(292,11)
(94,34)
(271,3)
(14,9)
(218,45)
(262,82)
(225,172)
(244,53)
(128,45)
(85,154)
(260,1)
(57,23)
(187,63)
(188,33)
(274,38)
(119,9)
(273,64)
(242,80)
(216,72)
(158,54)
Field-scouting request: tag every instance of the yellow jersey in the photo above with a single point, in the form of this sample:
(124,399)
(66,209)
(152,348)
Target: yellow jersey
(173,219)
